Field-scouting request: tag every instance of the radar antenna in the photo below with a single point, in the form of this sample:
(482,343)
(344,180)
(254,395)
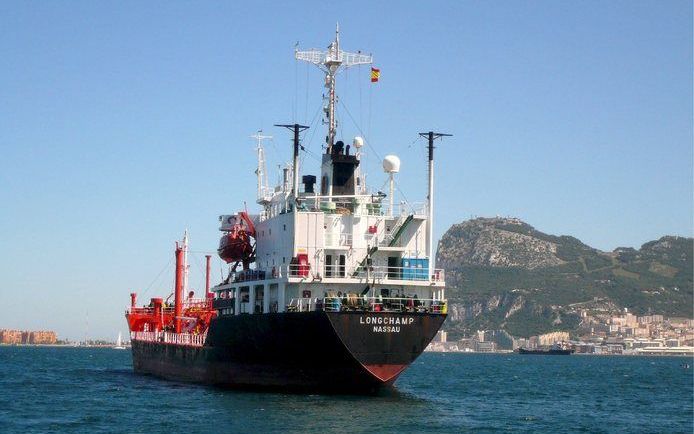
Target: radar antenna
(332,61)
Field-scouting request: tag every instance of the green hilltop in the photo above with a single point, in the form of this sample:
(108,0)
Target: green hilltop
(502,273)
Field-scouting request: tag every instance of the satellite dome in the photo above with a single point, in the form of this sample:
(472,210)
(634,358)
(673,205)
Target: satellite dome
(391,164)
(358,142)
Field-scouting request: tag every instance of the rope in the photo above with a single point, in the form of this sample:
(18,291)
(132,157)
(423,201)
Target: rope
(397,186)
(359,84)
(168,264)
(306,97)
(202,272)
(295,103)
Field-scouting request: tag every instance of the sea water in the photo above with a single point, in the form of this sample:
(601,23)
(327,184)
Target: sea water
(92,390)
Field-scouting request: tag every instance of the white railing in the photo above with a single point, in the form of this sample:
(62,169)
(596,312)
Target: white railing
(380,273)
(405,208)
(302,304)
(360,204)
(385,273)
(295,270)
(148,310)
(366,303)
(190,339)
(197,302)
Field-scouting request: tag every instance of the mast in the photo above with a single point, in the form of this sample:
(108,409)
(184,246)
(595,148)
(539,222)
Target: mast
(207,277)
(261,171)
(178,289)
(186,267)
(332,61)
(295,169)
(431,136)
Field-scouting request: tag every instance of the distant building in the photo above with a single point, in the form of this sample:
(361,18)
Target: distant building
(42,338)
(15,337)
(651,319)
(485,347)
(440,336)
(501,338)
(521,343)
(466,344)
(552,338)
(614,348)
(10,336)
(671,343)
(584,348)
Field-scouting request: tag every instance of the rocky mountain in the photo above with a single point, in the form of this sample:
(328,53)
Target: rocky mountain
(504,274)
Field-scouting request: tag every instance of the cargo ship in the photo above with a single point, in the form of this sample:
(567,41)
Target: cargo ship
(329,287)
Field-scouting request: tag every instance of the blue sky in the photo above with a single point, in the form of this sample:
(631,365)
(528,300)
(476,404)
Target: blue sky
(123,123)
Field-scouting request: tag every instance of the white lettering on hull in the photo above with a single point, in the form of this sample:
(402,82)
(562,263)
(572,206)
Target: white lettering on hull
(388,324)
(386,329)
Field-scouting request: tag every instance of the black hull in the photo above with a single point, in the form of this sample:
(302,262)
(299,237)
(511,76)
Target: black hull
(333,352)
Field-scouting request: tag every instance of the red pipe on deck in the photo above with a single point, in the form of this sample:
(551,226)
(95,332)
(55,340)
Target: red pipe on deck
(178,290)
(157,303)
(207,277)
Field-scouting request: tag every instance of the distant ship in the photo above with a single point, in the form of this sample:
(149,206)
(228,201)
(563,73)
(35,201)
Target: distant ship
(554,350)
(330,287)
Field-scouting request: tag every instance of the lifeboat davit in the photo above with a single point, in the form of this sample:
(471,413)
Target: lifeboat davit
(236,245)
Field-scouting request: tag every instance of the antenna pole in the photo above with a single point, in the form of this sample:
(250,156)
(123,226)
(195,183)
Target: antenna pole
(431,136)
(261,171)
(297,129)
(207,277)
(392,193)
(178,288)
(186,267)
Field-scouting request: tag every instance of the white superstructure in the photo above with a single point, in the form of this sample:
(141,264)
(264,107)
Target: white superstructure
(325,233)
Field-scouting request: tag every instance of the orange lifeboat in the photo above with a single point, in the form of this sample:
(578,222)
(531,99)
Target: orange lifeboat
(237,243)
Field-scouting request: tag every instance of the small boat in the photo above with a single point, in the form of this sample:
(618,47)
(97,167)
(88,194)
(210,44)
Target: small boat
(119,343)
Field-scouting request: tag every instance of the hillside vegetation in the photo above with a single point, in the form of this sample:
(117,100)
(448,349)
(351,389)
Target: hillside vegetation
(502,273)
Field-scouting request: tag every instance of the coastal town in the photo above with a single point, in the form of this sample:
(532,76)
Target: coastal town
(600,333)
(49,338)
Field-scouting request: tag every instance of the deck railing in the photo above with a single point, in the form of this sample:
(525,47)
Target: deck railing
(353,302)
(379,273)
(190,339)
(384,272)
(148,310)
(188,303)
